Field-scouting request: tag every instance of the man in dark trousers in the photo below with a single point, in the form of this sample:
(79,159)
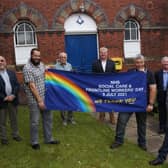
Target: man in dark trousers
(163,151)
(104,65)
(9,88)
(34,80)
(141,117)
(162,81)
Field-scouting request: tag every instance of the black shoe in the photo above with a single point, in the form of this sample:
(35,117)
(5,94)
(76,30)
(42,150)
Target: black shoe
(115,145)
(36,146)
(156,162)
(54,142)
(4,142)
(143,147)
(18,138)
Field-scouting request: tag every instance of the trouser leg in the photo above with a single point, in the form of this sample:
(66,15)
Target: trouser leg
(163,151)
(70,115)
(162,112)
(34,123)
(141,127)
(112,117)
(13,119)
(63,115)
(3,118)
(101,116)
(47,125)
(121,126)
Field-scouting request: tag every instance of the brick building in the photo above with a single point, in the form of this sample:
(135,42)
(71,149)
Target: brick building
(80,27)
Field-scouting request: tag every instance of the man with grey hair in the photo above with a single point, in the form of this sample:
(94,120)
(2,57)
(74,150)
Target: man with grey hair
(67,116)
(123,118)
(104,65)
(9,88)
(161,77)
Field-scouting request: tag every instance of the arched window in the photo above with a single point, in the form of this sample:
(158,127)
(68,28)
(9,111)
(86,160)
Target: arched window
(131,30)
(131,39)
(24,34)
(24,40)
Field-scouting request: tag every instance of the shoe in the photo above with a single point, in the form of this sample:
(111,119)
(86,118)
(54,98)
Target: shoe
(115,145)
(36,146)
(56,142)
(64,123)
(4,142)
(156,162)
(72,122)
(18,138)
(143,147)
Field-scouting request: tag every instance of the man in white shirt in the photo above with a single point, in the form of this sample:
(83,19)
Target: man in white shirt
(104,65)
(9,88)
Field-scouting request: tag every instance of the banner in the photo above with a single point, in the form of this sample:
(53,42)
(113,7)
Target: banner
(91,92)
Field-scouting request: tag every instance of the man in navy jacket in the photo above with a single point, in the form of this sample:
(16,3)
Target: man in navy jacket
(163,151)
(162,84)
(104,65)
(9,88)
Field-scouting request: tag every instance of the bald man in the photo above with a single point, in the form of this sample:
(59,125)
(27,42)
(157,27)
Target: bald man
(9,88)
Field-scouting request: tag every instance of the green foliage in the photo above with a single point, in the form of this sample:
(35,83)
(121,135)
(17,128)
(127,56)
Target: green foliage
(84,145)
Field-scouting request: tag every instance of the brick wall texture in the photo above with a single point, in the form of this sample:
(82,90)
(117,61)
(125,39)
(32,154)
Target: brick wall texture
(48,17)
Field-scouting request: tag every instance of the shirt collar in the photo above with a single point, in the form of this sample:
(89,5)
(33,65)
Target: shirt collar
(2,71)
(164,71)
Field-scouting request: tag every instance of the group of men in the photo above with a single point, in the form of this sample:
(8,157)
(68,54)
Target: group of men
(33,73)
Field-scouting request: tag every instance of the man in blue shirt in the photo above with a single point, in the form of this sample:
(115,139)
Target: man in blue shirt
(62,64)
(161,81)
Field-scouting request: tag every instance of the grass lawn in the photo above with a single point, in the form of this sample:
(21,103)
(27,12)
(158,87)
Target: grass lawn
(85,145)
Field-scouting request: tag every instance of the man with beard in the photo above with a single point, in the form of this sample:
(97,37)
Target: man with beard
(33,73)
(9,88)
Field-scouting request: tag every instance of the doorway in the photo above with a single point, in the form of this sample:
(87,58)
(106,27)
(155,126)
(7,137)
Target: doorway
(82,51)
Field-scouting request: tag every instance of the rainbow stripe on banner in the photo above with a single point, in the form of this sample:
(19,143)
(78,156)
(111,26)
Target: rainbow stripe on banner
(82,98)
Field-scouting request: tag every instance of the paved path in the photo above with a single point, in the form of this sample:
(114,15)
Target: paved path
(154,140)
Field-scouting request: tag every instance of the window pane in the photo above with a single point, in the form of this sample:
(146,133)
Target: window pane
(133,34)
(133,25)
(29,38)
(28,28)
(21,38)
(20,27)
(127,34)
(127,25)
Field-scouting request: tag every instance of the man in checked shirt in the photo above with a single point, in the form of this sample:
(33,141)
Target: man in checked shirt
(33,73)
